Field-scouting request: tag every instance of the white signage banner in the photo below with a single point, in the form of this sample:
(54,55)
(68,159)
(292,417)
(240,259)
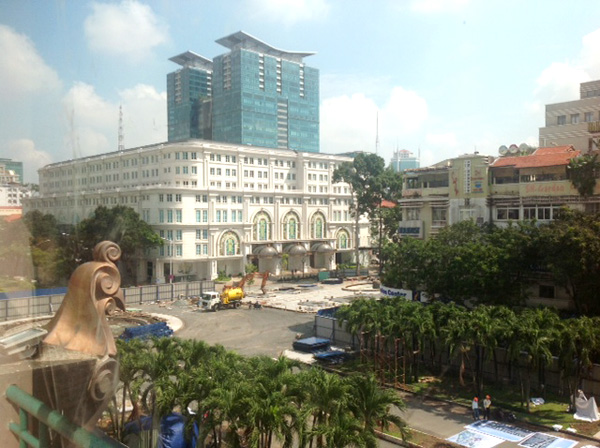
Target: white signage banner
(392,292)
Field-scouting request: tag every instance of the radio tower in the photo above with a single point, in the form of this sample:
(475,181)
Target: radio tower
(121,136)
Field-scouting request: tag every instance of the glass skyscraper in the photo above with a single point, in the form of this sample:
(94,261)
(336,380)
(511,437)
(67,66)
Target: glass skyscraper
(260,96)
(188,98)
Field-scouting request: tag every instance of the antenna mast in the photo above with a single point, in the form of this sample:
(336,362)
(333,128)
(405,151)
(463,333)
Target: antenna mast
(121,136)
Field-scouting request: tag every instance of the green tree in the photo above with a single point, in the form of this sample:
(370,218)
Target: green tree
(374,406)
(570,251)
(583,172)
(119,224)
(363,177)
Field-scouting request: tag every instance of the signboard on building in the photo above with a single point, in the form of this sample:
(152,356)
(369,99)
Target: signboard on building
(411,228)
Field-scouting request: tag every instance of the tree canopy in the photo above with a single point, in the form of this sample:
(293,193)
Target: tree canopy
(494,265)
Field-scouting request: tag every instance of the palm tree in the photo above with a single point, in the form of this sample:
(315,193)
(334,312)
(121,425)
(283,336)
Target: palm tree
(373,406)
(533,337)
(579,338)
(458,336)
(131,359)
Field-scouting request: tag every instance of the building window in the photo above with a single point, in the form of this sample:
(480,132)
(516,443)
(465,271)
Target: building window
(169,215)
(412,214)
(262,227)
(291,226)
(546,292)
(588,116)
(343,239)
(161,216)
(178,215)
(230,244)
(561,119)
(503,214)
(179,235)
(574,118)
(204,215)
(439,216)
(317,226)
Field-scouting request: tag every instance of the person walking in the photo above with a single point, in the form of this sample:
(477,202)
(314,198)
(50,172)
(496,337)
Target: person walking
(475,407)
(487,404)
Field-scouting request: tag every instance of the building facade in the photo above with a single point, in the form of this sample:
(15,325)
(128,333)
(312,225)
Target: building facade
(217,206)
(443,194)
(255,94)
(189,91)
(574,122)
(403,159)
(12,191)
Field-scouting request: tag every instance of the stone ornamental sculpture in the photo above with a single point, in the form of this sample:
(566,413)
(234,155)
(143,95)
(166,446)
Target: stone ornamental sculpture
(80,325)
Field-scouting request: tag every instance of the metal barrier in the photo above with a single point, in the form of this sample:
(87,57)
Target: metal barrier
(37,306)
(49,419)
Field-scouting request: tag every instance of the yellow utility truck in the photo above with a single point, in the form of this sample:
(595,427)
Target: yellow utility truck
(230,297)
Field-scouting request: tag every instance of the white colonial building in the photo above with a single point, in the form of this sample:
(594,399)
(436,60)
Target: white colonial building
(217,206)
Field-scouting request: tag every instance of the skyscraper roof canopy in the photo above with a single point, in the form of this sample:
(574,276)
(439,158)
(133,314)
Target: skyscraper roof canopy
(191,59)
(241,39)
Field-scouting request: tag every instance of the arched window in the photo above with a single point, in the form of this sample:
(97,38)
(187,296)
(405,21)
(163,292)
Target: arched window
(291,230)
(262,227)
(317,226)
(230,244)
(342,239)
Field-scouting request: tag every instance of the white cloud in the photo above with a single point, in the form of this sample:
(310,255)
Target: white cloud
(349,123)
(288,12)
(447,139)
(144,115)
(129,29)
(436,6)
(560,80)
(24,150)
(92,121)
(589,54)
(22,69)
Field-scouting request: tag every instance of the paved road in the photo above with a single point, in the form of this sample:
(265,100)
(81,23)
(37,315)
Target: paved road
(248,332)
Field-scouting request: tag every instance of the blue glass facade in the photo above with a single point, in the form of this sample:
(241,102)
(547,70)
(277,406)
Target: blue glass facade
(262,100)
(254,95)
(188,104)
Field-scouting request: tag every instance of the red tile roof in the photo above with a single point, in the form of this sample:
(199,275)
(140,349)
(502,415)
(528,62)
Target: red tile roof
(554,156)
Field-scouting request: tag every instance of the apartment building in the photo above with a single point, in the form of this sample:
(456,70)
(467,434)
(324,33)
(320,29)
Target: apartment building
(218,206)
(574,122)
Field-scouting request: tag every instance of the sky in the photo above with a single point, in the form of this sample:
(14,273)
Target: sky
(440,78)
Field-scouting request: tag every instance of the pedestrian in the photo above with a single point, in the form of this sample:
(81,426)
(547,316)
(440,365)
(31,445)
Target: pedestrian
(487,404)
(475,407)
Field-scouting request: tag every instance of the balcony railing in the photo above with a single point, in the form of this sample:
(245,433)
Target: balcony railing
(49,419)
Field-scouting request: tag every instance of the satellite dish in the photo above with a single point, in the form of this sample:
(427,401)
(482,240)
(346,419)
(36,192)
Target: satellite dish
(513,149)
(523,148)
(503,150)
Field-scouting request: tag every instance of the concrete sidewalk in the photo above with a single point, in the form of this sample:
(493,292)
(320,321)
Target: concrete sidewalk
(443,420)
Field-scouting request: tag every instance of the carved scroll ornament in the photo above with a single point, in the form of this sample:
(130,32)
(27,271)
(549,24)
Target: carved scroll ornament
(94,291)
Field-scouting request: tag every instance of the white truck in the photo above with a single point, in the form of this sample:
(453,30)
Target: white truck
(213,301)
